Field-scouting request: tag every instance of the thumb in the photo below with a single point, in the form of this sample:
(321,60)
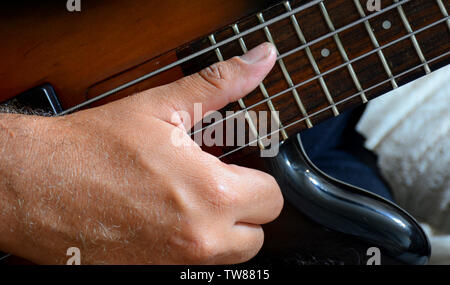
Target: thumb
(217,85)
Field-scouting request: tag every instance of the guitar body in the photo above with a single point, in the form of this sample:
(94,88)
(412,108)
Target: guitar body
(83,55)
(74,51)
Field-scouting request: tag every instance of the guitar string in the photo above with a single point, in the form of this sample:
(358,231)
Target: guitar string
(5,256)
(231,39)
(340,102)
(324,73)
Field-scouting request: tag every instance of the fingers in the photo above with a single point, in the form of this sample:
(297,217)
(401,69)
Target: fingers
(217,85)
(242,243)
(240,194)
(259,199)
(223,244)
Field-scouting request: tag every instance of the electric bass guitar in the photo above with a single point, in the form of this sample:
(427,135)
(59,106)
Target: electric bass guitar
(333,55)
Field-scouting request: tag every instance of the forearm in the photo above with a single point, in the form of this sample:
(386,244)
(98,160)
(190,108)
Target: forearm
(15,106)
(18,134)
(42,209)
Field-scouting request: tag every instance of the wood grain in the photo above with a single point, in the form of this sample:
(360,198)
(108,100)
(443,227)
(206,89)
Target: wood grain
(369,70)
(43,43)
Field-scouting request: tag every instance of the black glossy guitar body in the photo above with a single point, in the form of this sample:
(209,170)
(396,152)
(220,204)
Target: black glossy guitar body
(331,222)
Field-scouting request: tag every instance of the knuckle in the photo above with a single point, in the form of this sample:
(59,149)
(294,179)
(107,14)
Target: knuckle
(274,194)
(250,248)
(221,195)
(271,182)
(278,203)
(257,244)
(218,74)
(278,196)
(201,248)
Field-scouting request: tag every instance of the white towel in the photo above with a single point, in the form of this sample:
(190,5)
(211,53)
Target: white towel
(409,130)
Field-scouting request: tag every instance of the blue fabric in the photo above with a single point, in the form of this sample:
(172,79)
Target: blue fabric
(337,149)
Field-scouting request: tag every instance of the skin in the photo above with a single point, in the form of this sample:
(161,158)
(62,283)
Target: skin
(110,181)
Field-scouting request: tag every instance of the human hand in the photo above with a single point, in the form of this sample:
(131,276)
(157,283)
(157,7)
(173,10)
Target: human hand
(110,181)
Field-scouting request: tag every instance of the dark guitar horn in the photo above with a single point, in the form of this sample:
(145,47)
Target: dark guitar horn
(328,221)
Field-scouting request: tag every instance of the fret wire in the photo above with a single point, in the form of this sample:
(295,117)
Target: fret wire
(413,37)
(338,67)
(240,101)
(286,74)
(262,87)
(344,28)
(342,51)
(443,11)
(376,50)
(344,100)
(224,42)
(376,44)
(311,59)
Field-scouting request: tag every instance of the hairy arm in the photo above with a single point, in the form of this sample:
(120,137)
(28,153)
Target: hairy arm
(19,148)
(14,106)
(112,182)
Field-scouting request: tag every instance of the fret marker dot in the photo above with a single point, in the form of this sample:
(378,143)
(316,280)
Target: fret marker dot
(387,25)
(325,52)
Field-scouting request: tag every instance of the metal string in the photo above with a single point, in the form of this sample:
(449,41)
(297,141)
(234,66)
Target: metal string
(340,102)
(326,72)
(231,39)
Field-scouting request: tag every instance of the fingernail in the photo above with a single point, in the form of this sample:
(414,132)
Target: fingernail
(259,53)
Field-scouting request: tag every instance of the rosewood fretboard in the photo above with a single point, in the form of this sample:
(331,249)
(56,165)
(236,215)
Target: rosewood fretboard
(330,58)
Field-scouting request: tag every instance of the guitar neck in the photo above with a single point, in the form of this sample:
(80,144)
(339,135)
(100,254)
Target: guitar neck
(332,55)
